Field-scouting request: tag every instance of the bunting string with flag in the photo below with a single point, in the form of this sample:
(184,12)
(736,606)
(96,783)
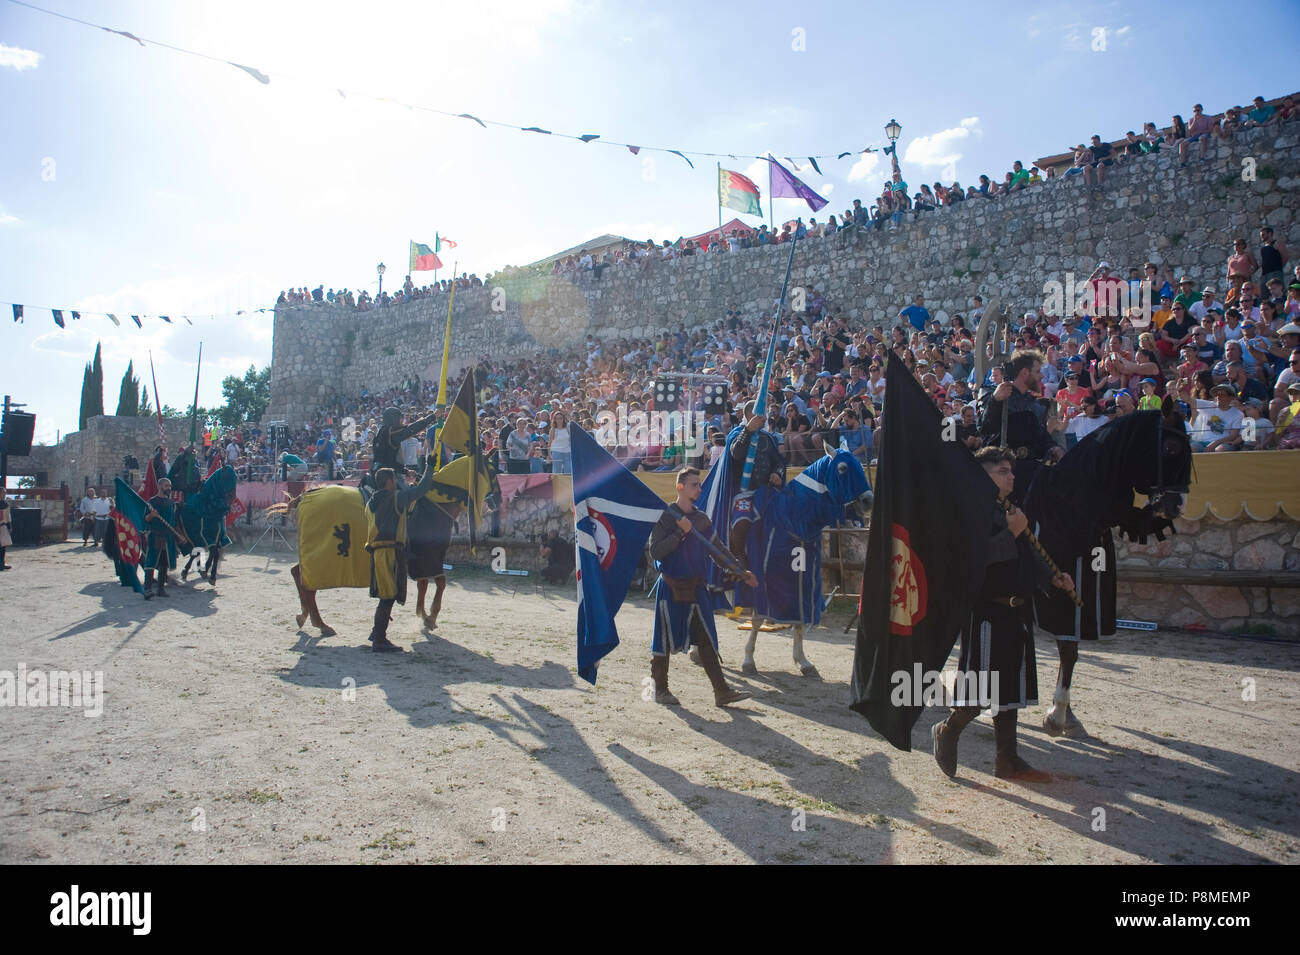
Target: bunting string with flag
(265,78)
(58,314)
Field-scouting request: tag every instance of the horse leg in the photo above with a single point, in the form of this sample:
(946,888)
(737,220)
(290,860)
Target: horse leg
(802,662)
(214,558)
(186,571)
(1060,719)
(421,588)
(307,602)
(439,585)
(748,665)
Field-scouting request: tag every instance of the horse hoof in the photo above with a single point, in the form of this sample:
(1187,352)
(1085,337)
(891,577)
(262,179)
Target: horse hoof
(808,670)
(748,668)
(300,619)
(328,632)
(695,656)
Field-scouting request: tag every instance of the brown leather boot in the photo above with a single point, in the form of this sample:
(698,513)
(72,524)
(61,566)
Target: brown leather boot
(1009,765)
(945,737)
(723,695)
(659,671)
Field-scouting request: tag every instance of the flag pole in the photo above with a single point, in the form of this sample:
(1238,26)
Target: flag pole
(771,218)
(194,409)
(760,404)
(446,356)
(718,189)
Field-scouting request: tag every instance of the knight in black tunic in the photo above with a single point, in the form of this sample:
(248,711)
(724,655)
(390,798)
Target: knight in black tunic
(996,666)
(1026,431)
(388,440)
(161,541)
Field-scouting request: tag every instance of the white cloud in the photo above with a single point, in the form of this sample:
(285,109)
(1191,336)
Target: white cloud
(6,219)
(1123,30)
(17,58)
(864,167)
(944,147)
(825,189)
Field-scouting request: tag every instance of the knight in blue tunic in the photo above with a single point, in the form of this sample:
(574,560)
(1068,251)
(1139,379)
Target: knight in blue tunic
(683,609)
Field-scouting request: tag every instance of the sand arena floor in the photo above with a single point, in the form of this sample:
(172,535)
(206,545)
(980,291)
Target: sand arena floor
(228,735)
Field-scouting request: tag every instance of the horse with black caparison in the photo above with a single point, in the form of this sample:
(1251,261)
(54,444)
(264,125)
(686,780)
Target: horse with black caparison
(1073,508)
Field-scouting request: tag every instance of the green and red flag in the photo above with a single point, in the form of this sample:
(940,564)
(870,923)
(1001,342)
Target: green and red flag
(439,242)
(423,258)
(738,192)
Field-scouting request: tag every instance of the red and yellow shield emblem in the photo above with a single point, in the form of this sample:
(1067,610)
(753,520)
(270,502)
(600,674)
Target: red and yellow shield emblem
(908,594)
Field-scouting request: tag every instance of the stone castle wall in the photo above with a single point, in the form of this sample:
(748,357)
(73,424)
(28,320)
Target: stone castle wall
(1150,208)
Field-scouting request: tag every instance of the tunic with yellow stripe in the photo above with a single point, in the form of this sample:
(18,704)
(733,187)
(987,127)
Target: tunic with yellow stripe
(386,541)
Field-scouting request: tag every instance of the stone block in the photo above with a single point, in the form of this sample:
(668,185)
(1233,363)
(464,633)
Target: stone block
(1255,530)
(1220,602)
(1259,555)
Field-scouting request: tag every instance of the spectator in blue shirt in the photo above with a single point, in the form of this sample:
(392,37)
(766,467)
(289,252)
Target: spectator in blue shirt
(916,313)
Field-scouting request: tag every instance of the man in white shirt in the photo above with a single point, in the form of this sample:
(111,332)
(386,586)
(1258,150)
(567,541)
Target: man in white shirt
(1216,425)
(410,452)
(87,509)
(1206,305)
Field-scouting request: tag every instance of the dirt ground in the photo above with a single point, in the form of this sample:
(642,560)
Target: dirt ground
(227,735)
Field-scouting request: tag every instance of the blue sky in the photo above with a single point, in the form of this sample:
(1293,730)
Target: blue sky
(141,180)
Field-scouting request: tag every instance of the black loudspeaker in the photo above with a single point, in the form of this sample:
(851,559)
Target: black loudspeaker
(18,428)
(26,526)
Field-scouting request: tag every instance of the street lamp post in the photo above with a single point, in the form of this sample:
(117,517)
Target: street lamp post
(893,130)
(380,269)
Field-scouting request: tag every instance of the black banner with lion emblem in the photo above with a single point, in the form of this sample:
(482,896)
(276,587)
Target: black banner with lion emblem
(925,553)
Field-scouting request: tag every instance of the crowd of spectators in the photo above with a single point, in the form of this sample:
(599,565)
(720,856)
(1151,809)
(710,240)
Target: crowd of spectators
(1227,354)
(1224,353)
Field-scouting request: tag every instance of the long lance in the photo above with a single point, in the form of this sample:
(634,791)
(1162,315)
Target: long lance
(724,558)
(162,434)
(194,408)
(760,404)
(446,357)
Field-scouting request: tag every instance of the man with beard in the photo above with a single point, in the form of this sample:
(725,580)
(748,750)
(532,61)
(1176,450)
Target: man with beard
(387,448)
(1014,411)
(161,555)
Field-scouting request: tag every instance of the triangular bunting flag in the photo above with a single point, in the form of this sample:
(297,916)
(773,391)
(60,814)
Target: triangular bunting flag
(76,316)
(18,313)
(136,319)
(113,319)
(255,74)
(683,155)
(588,137)
(58,317)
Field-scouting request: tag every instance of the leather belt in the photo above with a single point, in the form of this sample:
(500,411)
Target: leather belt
(1007,601)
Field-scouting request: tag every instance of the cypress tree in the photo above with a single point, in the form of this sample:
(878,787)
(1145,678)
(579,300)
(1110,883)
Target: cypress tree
(128,397)
(96,405)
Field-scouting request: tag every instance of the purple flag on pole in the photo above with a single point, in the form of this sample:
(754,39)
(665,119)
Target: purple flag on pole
(785,185)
